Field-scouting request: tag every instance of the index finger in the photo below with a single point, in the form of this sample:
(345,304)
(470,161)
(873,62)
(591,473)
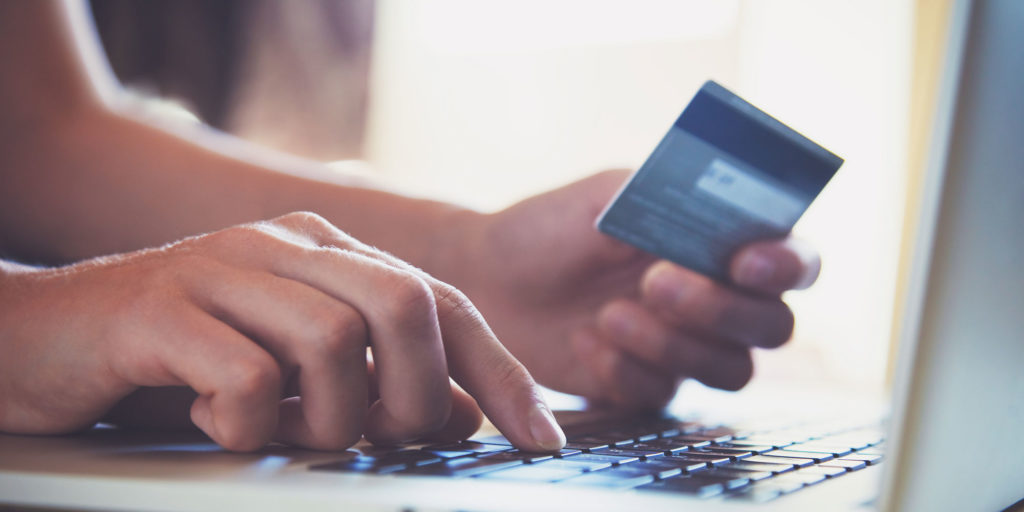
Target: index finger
(773,266)
(501,385)
(475,358)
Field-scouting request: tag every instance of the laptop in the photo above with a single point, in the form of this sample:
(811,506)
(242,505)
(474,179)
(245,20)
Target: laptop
(952,440)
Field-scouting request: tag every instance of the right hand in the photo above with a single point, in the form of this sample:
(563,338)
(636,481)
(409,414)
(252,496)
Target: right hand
(268,323)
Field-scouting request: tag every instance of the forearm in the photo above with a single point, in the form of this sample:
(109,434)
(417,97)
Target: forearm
(104,183)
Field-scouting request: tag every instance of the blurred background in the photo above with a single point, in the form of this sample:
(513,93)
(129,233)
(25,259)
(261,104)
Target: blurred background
(485,103)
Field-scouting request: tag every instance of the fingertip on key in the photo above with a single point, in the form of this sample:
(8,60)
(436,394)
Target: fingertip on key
(544,429)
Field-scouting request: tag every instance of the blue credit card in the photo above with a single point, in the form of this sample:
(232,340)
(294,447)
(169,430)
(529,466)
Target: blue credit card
(726,174)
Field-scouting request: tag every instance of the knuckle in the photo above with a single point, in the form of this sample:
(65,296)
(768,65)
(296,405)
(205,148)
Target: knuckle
(302,218)
(258,234)
(454,301)
(337,332)
(256,377)
(309,223)
(255,232)
(408,297)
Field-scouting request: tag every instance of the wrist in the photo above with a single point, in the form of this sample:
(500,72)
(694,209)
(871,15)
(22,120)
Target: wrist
(457,248)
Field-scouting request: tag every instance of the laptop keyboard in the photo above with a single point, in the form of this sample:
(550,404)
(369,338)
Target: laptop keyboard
(651,455)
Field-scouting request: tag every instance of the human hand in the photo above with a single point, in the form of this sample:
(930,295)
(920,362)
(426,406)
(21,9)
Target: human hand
(269,324)
(592,316)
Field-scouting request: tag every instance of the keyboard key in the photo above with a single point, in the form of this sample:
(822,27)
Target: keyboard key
(497,439)
(800,476)
(652,446)
(626,435)
(686,485)
(464,467)
(856,440)
(720,434)
(731,472)
(826,471)
(658,468)
(355,466)
(775,459)
(756,494)
(870,460)
(687,465)
(575,463)
(451,454)
(415,457)
(603,439)
(712,460)
(567,452)
(769,489)
(689,442)
(595,457)
(664,432)
(815,456)
(668,445)
(382,463)
(852,465)
(783,486)
(761,466)
(621,477)
(533,473)
(517,455)
(853,444)
(729,480)
(796,435)
(621,452)
(650,436)
(755,449)
(814,446)
(585,447)
(468,446)
(733,454)
(871,451)
(777,442)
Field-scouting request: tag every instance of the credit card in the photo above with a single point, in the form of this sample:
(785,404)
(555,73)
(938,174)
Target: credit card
(726,174)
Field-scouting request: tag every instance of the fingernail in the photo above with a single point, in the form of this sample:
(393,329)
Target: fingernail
(755,269)
(545,431)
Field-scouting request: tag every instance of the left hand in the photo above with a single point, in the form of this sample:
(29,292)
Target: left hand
(591,316)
